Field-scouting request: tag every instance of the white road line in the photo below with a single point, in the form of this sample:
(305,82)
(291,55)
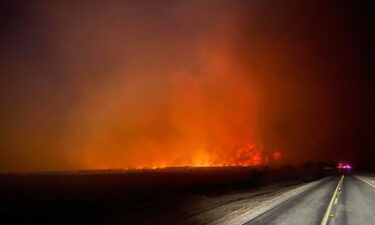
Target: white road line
(248,217)
(361,179)
(328,211)
(336,201)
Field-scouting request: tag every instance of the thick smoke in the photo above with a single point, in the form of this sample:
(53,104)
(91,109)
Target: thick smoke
(176,97)
(116,84)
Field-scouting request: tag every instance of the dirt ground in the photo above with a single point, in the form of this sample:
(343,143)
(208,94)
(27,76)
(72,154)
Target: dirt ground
(164,196)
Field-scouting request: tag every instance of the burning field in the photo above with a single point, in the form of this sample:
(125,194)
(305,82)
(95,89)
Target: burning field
(139,84)
(132,101)
(151,112)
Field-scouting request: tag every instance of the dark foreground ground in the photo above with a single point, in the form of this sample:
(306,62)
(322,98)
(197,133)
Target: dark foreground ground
(164,196)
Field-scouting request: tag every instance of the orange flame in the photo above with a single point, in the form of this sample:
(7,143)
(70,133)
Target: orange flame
(202,114)
(276,155)
(248,156)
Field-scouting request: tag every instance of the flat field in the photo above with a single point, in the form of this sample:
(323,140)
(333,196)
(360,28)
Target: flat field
(161,196)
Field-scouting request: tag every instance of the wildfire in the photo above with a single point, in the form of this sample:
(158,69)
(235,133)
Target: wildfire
(202,114)
(276,155)
(248,156)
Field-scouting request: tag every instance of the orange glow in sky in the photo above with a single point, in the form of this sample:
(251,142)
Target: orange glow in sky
(149,84)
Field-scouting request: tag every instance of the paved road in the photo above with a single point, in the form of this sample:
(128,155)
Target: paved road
(350,201)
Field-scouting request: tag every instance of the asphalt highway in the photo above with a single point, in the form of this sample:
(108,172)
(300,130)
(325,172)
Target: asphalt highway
(338,200)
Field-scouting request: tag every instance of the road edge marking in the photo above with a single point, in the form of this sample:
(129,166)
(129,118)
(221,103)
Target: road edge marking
(328,211)
(254,214)
(363,180)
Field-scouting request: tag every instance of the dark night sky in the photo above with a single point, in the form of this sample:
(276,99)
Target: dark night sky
(109,84)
